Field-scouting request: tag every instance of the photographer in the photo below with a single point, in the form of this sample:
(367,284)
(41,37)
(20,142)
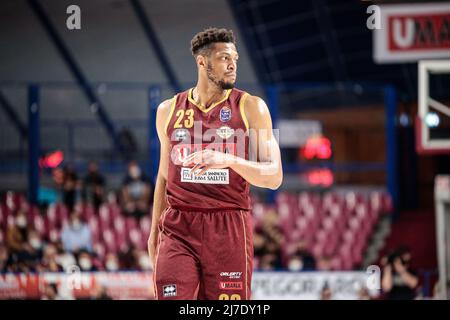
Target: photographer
(398,280)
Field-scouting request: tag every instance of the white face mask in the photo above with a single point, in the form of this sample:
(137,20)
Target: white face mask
(76,224)
(295,265)
(144,263)
(85,264)
(111,265)
(21,221)
(35,243)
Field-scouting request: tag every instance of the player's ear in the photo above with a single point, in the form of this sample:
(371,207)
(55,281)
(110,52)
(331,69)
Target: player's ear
(201,61)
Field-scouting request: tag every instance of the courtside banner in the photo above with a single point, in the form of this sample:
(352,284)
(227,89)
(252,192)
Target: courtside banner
(139,285)
(118,285)
(308,285)
(410,33)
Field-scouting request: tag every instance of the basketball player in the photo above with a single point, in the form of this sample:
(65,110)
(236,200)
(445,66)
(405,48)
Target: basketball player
(201,242)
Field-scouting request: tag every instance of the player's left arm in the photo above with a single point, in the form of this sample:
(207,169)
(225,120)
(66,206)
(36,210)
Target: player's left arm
(265,170)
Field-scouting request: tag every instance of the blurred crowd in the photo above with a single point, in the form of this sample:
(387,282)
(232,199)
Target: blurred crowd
(134,196)
(25,250)
(268,239)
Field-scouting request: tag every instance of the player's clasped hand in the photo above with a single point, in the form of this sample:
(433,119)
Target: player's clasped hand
(203,160)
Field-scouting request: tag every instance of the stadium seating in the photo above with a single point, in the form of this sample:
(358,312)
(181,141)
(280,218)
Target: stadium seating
(333,225)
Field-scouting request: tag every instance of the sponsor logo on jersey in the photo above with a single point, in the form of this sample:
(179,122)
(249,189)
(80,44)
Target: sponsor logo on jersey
(181,151)
(225,132)
(225,114)
(211,176)
(231,275)
(231,285)
(170,290)
(180,134)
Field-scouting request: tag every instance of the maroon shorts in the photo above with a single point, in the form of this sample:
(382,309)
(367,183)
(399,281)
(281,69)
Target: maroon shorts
(204,255)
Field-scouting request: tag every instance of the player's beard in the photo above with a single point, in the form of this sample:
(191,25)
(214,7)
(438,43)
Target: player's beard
(218,82)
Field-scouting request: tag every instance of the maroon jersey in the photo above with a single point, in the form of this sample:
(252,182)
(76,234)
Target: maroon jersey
(220,127)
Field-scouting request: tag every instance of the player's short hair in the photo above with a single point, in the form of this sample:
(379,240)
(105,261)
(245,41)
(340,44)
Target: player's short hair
(202,42)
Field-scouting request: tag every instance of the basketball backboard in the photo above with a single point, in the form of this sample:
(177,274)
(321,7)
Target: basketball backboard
(433,120)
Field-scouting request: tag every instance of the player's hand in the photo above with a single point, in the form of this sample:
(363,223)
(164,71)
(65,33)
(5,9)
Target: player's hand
(208,159)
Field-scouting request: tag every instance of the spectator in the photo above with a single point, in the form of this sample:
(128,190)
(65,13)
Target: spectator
(35,248)
(71,187)
(17,234)
(301,259)
(128,141)
(50,292)
(128,259)
(136,191)
(143,260)
(64,258)
(22,254)
(324,263)
(4,257)
(363,294)
(49,260)
(111,262)
(94,186)
(326,293)
(269,262)
(100,293)
(85,262)
(269,238)
(295,263)
(76,235)
(398,280)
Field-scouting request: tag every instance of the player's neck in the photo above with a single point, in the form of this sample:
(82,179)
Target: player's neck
(206,94)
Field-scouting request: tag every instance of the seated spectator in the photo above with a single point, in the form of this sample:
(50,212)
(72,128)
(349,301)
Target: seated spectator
(23,257)
(324,263)
(295,263)
(136,192)
(301,259)
(49,261)
(35,249)
(4,257)
(111,262)
(268,240)
(85,262)
(94,186)
(76,235)
(64,258)
(398,280)
(17,234)
(268,262)
(128,259)
(143,260)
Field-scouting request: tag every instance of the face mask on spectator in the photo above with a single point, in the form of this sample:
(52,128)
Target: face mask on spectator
(21,221)
(35,243)
(135,172)
(111,265)
(76,224)
(144,263)
(85,263)
(295,264)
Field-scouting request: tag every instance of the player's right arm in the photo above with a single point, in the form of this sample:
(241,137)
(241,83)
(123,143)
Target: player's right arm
(159,200)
